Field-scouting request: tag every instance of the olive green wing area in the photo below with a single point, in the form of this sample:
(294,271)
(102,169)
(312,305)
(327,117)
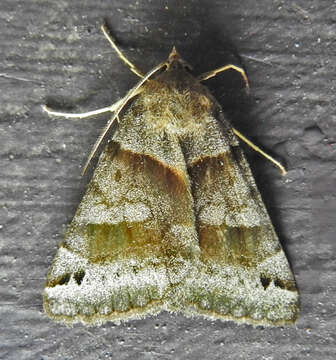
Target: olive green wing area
(131,241)
(244,274)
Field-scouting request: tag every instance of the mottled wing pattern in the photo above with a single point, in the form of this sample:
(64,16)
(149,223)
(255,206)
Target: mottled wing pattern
(172,219)
(132,238)
(244,275)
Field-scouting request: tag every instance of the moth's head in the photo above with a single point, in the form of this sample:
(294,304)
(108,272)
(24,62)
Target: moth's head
(175,61)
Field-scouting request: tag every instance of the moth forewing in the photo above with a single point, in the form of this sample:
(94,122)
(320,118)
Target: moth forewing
(171,220)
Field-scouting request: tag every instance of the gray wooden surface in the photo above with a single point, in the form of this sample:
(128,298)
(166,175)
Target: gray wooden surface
(53,52)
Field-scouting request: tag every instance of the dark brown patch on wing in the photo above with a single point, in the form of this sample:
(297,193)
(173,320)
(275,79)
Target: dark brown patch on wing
(171,180)
(235,235)
(166,198)
(230,245)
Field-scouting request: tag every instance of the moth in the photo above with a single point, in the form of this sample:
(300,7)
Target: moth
(172,218)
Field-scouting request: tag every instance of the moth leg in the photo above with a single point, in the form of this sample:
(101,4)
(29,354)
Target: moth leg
(132,67)
(256,148)
(213,73)
(111,108)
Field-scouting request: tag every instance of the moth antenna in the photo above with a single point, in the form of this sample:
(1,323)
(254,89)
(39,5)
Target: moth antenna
(257,149)
(133,92)
(87,114)
(132,67)
(213,73)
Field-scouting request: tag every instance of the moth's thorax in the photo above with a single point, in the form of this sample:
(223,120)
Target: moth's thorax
(174,111)
(175,102)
